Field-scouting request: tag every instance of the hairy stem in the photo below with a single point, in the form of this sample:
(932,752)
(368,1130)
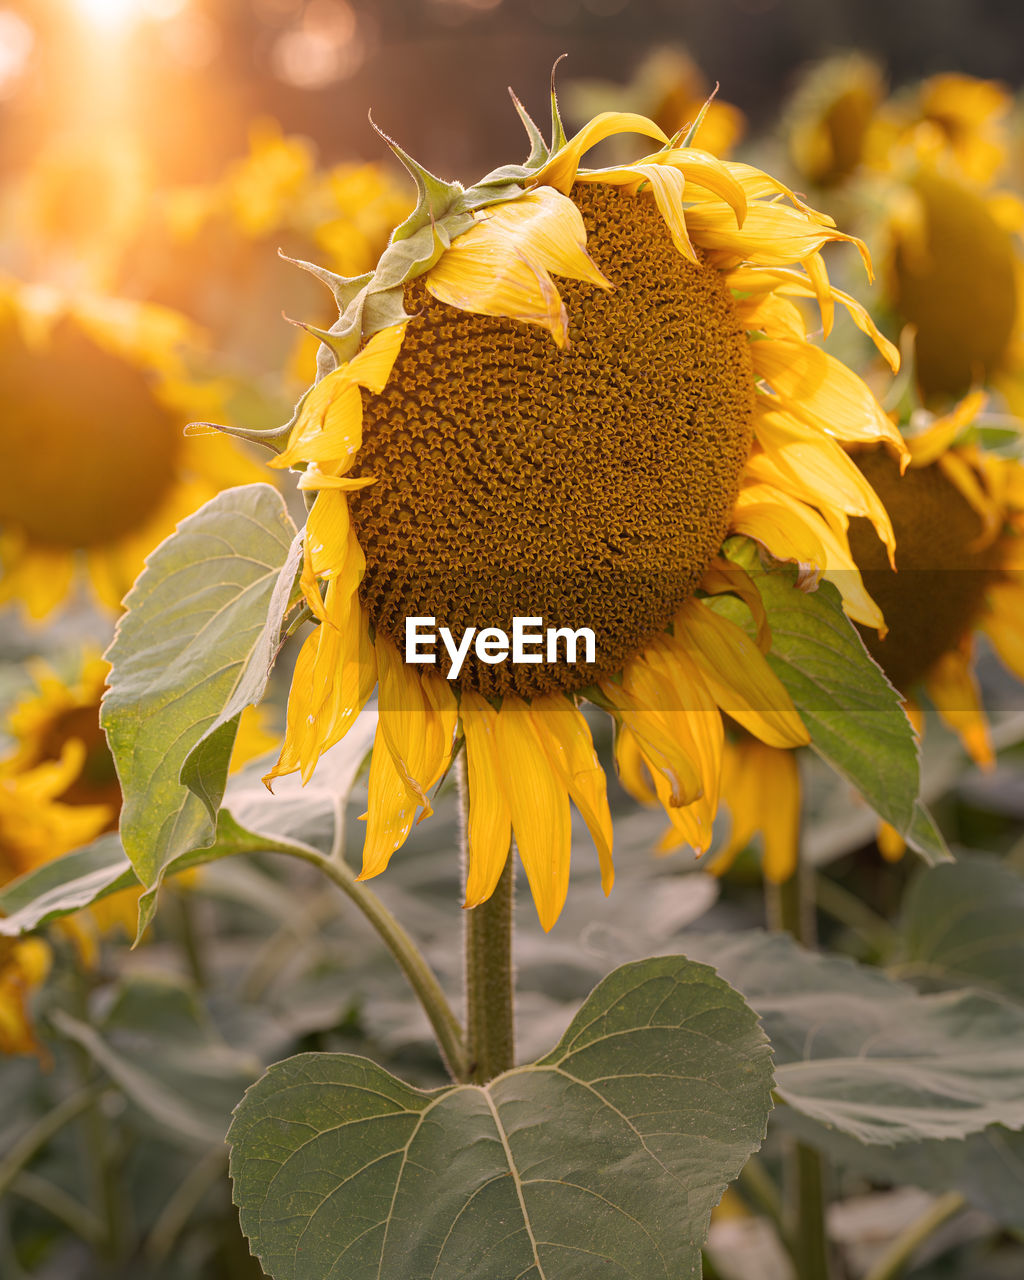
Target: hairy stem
(422,978)
(490,1013)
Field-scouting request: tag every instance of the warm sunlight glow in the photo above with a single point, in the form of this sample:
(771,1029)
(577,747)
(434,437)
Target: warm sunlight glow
(119,14)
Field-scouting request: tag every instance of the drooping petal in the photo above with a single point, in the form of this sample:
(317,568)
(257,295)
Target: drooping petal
(488,829)
(560,171)
(952,686)
(722,577)
(410,723)
(390,812)
(814,386)
(1003,623)
(501,265)
(565,734)
(738,675)
(539,807)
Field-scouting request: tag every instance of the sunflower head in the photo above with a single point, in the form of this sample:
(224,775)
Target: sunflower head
(830,117)
(484,443)
(958,515)
(96,394)
(954,277)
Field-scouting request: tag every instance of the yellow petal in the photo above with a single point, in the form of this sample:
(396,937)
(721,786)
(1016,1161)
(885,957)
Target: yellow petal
(539,807)
(739,676)
(500,266)
(631,768)
(329,430)
(391,809)
(667,186)
(488,829)
(779,779)
(817,388)
(953,688)
(314,479)
(891,844)
(1003,623)
(565,735)
(722,577)
(701,169)
(560,171)
(371,367)
(774,316)
(644,704)
(816,469)
(771,235)
(418,737)
(814,265)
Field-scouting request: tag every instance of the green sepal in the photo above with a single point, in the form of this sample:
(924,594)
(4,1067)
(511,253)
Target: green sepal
(499,187)
(558,138)
(437,198)
(344,288)
(273,438)
(538,147)
(691,134)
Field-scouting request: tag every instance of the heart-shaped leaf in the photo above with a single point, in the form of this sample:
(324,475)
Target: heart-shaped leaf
(603,1160)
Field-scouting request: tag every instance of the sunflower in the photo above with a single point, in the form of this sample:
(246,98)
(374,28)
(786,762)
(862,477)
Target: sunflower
(24,964)
(958,516)
(958,513)
(59,788)
(483,444)
(96,468)
(840,125)
(954,271)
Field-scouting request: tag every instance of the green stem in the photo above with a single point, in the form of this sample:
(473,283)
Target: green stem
(410,960)
(758,1188)
(490,1013)
(791,909)
(894,1262)
(188,934)
(56,1201)
(842,905)
(35,1138)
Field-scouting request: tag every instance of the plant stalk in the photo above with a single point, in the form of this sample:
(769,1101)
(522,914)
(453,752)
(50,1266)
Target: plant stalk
(490,980)
(422,978)
(894,1262)
(791,909)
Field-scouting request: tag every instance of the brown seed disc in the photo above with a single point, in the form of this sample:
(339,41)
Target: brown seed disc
(933,600)
(588,487)
(88,449)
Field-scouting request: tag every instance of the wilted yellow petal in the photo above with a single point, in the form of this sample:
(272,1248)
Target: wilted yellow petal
(500,266)
(391,809)
(738,675)
(1003,623)
(952,686)
(371,367)
(817,388)
(560,171)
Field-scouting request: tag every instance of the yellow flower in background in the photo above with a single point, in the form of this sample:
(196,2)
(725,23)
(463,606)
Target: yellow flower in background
(669,88)
(24,964)
(96,469)
(489,444)
(59,787)
(830,116)
(954,272)
(958,514)
(839,124)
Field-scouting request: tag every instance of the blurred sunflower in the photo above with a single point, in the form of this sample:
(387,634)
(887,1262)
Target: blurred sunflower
(840,125)
(24,964)
(958,516)
(59,788)
(96,467)
(576,453)
(669,88)
(954,271)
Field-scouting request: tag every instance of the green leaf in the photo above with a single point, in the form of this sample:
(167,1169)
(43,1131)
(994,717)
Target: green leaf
(195,646)
(963,924)
(860,1052)
(157,1045)
(602,1160)
(851,711)
(64,885)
